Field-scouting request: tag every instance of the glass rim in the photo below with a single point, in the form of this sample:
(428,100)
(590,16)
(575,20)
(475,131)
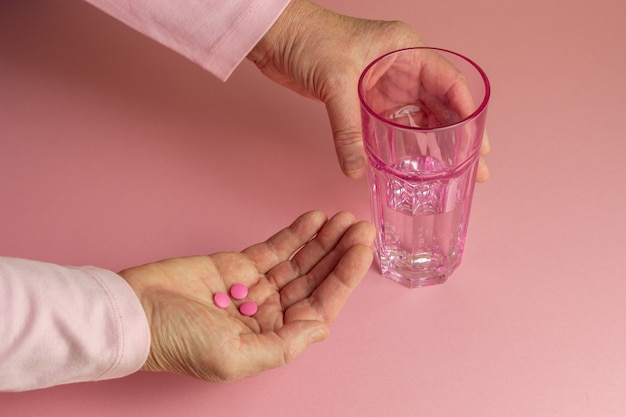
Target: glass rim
(479,109)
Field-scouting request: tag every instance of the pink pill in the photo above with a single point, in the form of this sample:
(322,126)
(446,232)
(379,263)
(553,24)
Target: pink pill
(239,291)
(221,299)
(248,308)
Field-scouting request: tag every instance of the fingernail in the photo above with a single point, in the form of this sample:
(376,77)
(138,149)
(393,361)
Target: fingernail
(317,335)
(353,166)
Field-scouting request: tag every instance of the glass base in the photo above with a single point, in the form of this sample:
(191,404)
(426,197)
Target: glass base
(417,271)
(416,282)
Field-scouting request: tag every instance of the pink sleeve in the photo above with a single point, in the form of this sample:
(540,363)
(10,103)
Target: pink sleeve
(60,325)
(216,34)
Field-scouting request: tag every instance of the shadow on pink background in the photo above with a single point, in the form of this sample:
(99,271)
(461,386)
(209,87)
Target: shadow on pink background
(115,151)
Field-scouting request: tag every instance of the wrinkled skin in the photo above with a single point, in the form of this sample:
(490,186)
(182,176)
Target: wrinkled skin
(300,278)
(321,54)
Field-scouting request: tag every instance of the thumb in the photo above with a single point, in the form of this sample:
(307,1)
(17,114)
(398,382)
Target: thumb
(344,114)
(273,349)
(299,335)
(270,350)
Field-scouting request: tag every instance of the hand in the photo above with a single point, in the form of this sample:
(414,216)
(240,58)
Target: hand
(321,54)
(300,279)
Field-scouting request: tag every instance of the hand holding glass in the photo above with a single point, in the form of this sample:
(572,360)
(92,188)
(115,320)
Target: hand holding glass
(423,113)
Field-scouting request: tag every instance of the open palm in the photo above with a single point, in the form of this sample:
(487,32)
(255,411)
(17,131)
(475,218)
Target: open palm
(300,279)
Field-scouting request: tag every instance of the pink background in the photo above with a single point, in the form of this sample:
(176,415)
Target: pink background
(115,151)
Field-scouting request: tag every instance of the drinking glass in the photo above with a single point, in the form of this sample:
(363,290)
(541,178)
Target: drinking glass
(423,116)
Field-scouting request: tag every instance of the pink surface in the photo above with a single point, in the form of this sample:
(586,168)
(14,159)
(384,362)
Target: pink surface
(115,151)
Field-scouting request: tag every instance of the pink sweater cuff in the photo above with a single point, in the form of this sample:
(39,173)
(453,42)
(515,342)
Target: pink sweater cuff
(132,333)
(60,325)
(215,34)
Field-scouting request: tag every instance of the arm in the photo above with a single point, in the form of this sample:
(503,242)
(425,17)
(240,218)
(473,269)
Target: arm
(215,34)
(298,44)
(60,325)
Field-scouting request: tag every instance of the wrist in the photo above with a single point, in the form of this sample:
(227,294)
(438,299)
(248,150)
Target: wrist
(285,31)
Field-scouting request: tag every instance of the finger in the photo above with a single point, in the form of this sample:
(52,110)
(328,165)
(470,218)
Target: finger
(344,114)
(441,79)
(283,244)
(361,234)
(301,329)
(330,296)
(297,336)
(313,251)
(485,146)
(482,172)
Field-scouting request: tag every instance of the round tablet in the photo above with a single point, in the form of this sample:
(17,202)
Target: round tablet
(221,299)
(248,308)
(239,291)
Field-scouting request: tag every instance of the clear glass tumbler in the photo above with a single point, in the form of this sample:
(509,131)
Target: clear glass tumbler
(423,115)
